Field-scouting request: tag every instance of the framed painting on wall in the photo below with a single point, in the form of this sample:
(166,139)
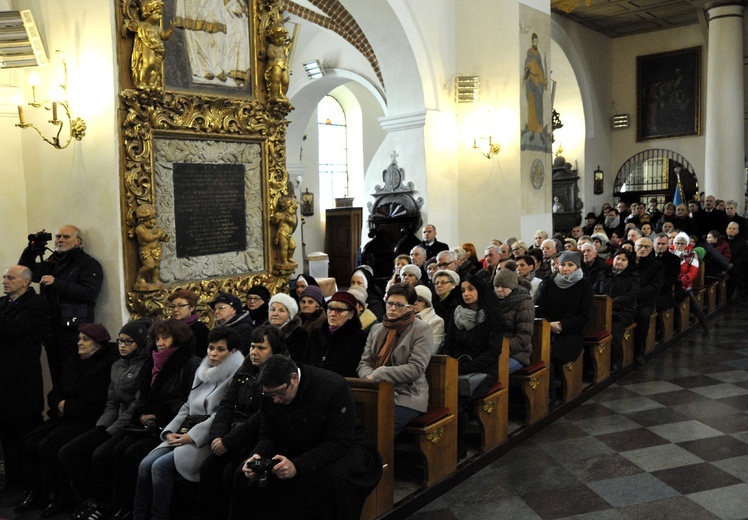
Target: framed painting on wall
(668,94)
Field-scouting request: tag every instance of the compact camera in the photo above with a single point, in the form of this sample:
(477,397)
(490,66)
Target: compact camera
(262,469)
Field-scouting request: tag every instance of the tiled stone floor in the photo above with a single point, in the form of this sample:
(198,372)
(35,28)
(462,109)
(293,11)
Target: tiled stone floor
(667,441)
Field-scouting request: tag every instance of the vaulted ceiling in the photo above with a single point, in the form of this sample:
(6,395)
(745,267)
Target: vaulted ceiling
(616,18)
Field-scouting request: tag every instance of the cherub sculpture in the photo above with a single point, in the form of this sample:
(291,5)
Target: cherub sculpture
(146,65)
(276,67)
(149,237)
(285,218)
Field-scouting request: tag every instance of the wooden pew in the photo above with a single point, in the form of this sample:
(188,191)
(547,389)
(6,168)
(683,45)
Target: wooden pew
(571,378)
(492,410)
(435,431)
(666,322)
(722,291)
(598,339)
(699,290)
(684,309)
(651,341)
(534,379)
(627,345)
(375,407)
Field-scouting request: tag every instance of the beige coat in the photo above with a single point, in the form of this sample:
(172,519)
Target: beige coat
(407,366)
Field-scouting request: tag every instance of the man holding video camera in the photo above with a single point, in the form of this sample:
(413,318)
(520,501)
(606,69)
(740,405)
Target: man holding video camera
(70,280)
(311,459)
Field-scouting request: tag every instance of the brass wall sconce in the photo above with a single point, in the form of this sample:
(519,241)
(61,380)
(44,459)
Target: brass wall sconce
(58,100)
(598,181)
(486,146)
(307,204)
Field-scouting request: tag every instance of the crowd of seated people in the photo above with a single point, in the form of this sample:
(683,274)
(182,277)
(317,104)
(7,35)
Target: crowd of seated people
(177,402)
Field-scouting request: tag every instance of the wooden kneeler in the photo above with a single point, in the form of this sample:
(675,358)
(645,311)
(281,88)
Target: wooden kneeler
(435,432)
(492,410)
(571,378)
(534,379)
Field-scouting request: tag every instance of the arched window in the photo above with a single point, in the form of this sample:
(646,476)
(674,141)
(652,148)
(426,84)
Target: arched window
(655,174)
(333,152)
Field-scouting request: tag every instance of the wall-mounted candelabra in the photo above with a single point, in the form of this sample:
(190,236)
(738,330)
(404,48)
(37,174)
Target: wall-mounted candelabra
(58,105)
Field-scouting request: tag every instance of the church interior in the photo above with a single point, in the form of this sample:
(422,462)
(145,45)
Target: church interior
(487,119)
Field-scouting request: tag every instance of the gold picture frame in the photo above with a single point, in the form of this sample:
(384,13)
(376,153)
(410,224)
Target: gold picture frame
(150,110)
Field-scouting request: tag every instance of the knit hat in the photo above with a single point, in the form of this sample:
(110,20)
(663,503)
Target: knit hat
(259,290)
(591,215)
(95,331)
(424,293)
(682,236)
(507,276)
(602,237)
(315,293)
(451,274)
(288,302)
(232,300)
(412,269)
(344,297)
(570,241)
(359,293)
(570,256)
(137,330)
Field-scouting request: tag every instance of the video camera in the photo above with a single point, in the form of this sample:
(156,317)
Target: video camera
(262,469)
(38,242)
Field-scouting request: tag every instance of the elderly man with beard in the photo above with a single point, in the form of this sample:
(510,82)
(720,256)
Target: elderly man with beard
(650,273)
(70,280)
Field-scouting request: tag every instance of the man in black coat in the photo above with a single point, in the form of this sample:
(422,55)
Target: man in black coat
(310,430)
(70,280)
(738,260)
(650,273)
(592,265)
(24,322)
(670,271)
(430,243)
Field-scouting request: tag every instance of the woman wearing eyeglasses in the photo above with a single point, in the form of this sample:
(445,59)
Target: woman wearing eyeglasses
(337,345)
(257,304)
(398,350)
(88,459)
(183,306)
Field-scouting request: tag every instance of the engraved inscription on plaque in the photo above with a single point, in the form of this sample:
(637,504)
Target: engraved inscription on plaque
(209,209)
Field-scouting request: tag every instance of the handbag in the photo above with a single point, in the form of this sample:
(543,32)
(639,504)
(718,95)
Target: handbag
(467,383)
(190,422)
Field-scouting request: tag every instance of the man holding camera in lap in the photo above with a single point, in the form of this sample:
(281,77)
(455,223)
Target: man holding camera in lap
(311,459)
(70,280)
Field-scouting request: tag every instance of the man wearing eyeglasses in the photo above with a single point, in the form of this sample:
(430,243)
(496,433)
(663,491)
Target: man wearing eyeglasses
(308,427)
(650,273)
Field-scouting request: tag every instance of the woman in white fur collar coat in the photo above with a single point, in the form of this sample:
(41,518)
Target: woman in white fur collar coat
(186,445)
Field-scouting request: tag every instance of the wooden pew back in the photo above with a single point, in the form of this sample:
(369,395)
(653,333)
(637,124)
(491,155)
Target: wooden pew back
(441,375)
(602,318)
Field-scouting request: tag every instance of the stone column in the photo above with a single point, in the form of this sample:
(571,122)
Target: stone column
(724,125)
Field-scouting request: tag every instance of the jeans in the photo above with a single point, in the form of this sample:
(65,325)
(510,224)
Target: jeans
(514,365)
(155,485)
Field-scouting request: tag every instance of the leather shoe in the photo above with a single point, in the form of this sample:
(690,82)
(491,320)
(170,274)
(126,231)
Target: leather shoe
(33,500)
(57,506)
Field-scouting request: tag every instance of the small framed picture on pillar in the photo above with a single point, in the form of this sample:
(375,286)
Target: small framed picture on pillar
(668,94)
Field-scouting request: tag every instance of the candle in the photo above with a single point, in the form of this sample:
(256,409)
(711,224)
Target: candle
(54,110)
(18,100)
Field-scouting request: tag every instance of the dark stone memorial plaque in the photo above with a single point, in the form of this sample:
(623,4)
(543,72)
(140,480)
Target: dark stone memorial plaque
(209,209)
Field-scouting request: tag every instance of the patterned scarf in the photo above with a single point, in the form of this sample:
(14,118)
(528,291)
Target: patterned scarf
(387,343)
(159,360)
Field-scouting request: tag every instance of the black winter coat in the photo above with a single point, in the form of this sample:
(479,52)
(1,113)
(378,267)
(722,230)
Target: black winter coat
(477,349)
(445,308)
(670,272)
(623,288)
(650,273)
(23,325)
(78,279)
(573,307)
(239,403)
(339,351)
(242,325)
(83,386)
(170,390)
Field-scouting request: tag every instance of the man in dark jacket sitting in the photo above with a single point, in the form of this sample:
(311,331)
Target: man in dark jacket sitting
(320,464)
